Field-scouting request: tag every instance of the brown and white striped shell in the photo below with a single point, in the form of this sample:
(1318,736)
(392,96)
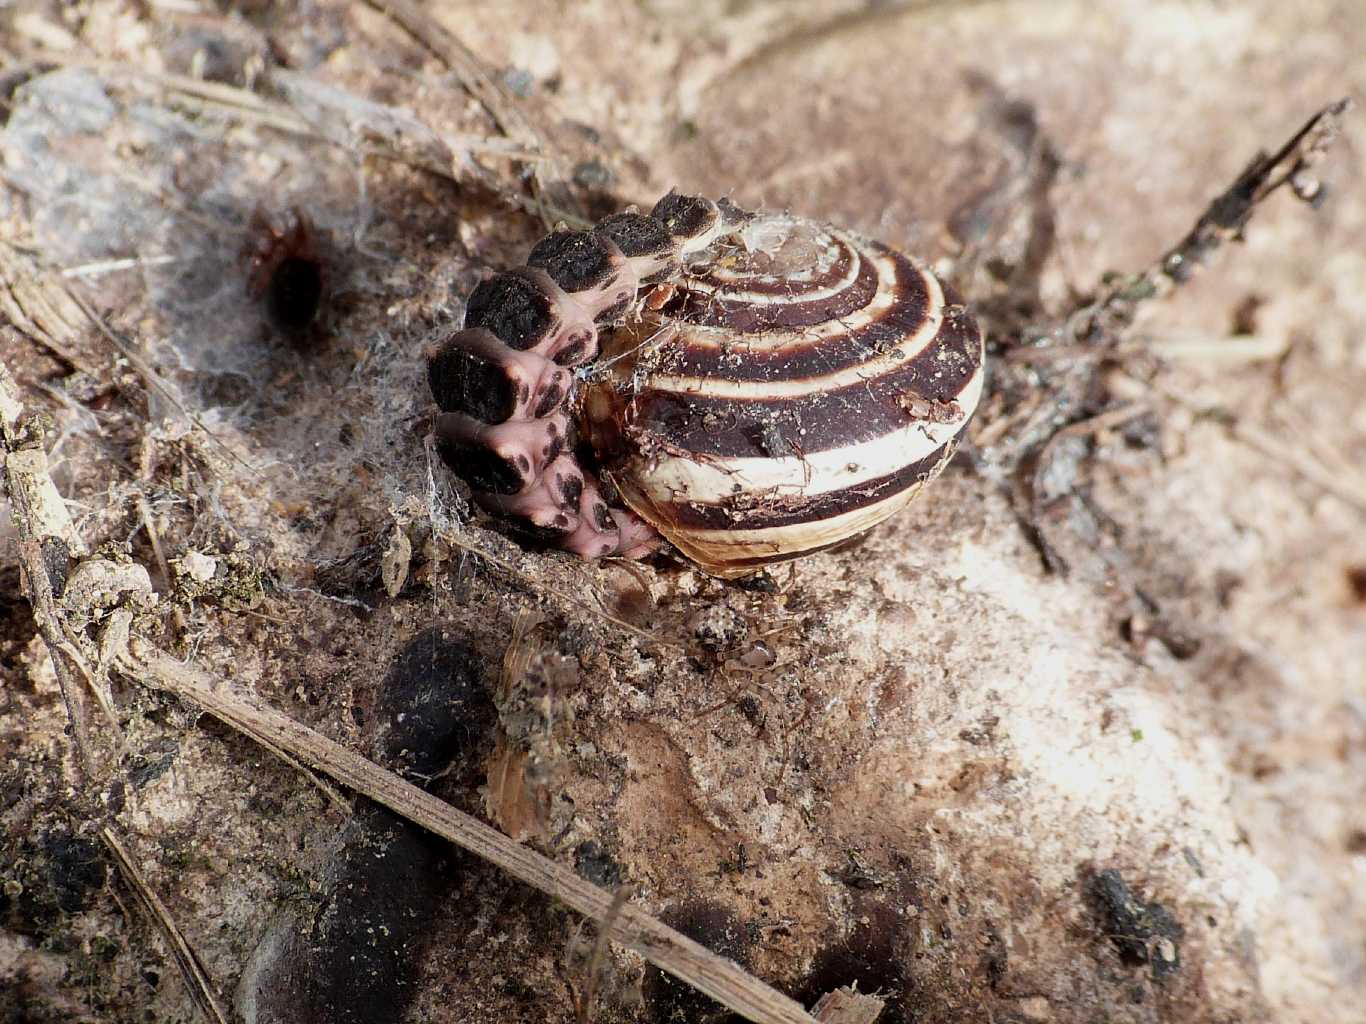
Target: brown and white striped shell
(765,386)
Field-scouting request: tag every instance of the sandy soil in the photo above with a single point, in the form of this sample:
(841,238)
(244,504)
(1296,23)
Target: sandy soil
(1133,791)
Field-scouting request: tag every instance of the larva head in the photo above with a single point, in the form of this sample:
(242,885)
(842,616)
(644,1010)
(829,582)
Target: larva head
(796,386)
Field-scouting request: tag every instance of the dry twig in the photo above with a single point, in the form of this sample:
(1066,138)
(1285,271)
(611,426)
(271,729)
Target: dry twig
(467,67)
(48,538)
(37,305)
(48,550)
(506,115)
(1091,334)
(1223,221)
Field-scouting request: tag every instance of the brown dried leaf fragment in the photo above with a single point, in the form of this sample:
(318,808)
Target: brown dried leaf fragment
(527,763)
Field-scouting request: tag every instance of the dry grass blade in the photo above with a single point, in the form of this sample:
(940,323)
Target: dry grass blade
(227,96)
(1326,468)
(484,87)
(38,305)
(421,148)
(458,57)
(49,547)
(692,963)
(191,968)
(158,383)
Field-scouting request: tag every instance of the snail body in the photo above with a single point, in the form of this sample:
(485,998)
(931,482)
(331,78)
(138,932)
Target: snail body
(766,386)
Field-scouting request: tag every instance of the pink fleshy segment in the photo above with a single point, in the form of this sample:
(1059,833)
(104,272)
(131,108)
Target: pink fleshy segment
(556,494)
(587,542)
(644,267)
(637,537)
(596,534)
(549,391)
(595,300)
(619,288)
(528,444)
(551,501)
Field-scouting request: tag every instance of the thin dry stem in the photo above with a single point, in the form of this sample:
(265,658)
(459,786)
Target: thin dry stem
(187,961)
(158,383)
(34,301)
(1093,333)
(1222,221)
(37,502)
(1291,446)
(1350,486)
(48,548)
(480,83)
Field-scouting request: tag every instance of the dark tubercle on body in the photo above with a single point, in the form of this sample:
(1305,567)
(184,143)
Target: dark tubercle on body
(517,312)
(467,381)
(685,216)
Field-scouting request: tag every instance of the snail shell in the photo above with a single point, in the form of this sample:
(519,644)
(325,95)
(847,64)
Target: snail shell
(799,386)
(771,386)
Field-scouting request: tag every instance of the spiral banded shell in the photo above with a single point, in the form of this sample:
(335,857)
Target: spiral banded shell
(769,386)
